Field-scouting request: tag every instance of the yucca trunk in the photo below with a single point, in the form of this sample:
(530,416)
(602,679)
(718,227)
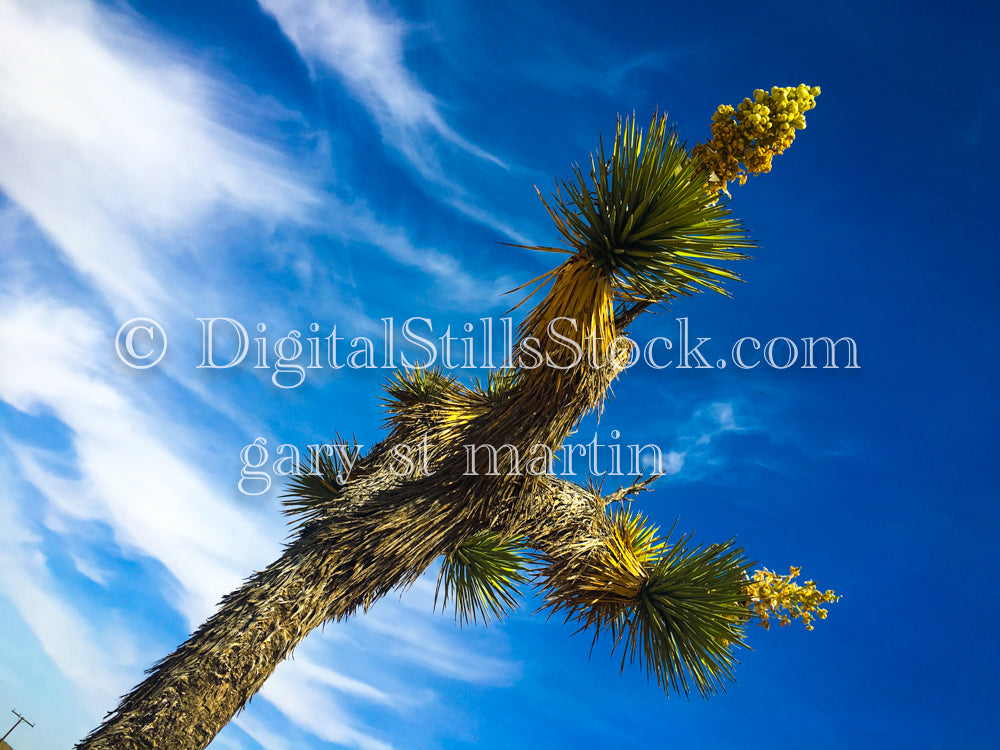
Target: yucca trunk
(193,693)
(377,533)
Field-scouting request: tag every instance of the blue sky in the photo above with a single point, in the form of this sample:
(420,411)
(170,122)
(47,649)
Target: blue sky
(294,162)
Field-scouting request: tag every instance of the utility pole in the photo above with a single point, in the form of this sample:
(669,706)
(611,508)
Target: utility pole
(19,720)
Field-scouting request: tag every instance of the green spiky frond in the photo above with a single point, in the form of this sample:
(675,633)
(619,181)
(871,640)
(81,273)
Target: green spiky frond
(593,587)
(644,218)
(688,618)
(318,482)
(419,385)
(481,576)
(429,401)
(677,610)
(499,386)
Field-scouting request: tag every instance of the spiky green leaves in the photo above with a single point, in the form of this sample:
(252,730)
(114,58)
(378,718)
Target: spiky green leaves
(481,576)
(687,618)
(499,386)
(642,215)
(419,385)
(317,483)
(677,610)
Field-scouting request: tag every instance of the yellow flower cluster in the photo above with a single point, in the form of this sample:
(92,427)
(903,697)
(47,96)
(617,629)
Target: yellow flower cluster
(771,593)
(746,139)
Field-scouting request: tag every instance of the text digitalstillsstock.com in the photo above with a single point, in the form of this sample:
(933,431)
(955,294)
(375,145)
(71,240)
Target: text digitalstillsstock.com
(226,343)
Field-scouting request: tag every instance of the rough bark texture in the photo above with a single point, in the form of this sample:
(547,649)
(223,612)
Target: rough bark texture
(379,533)
(191,695)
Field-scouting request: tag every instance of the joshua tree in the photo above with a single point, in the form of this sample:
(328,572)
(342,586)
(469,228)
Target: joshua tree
(644,226)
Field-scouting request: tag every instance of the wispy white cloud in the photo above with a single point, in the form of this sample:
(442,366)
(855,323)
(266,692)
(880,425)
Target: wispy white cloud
(260,731)
(417,636)
(109,141)
(79,649)
(156,503)
(302,691)
(115,146)
(488,219)
(452,278)
(667,463)
(714,420)
(88,569)
(365,50)
(596,63)
(615,76)
(692,451)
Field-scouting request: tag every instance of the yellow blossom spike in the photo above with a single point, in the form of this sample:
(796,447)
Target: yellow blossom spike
(746,139)
(772,595)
